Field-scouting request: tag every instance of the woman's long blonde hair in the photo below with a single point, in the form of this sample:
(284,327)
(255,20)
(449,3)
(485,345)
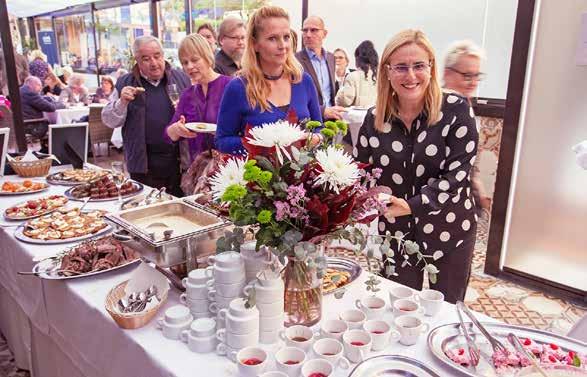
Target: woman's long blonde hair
(257,87)
(387,104)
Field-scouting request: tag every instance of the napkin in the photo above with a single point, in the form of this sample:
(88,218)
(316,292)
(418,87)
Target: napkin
(581,151)
(29,156)
(143,277)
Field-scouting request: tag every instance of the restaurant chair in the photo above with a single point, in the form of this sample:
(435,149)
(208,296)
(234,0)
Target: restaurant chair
(99,133)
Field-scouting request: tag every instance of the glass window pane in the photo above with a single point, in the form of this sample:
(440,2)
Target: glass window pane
(172,27)
(214,11)
(116,30)
(76,43)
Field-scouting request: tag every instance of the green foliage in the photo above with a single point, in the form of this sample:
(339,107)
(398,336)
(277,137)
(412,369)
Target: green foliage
(264,217)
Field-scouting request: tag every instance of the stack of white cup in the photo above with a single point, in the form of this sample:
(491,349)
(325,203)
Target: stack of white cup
(227,271)
(196,293)
(255,261)
(242,327)
(269,299)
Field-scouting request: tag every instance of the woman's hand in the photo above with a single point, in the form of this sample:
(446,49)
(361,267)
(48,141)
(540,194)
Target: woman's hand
(178,130)
(397,207)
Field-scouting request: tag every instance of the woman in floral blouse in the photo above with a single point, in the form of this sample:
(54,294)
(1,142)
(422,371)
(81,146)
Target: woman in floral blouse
(425,143)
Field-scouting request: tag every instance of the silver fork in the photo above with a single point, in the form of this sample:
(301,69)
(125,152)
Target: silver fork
(495,344)
(474,353)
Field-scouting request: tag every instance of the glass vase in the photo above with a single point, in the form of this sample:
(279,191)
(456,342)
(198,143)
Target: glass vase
(303,293)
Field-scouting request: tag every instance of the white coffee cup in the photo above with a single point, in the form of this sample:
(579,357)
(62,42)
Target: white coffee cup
(406,306)
(226,275)
(177,318)
(198,315)
(271,309)
(238,319)
(354,318)
(317,366)
(399,292)
(264,294)
(238,341)
(195,305)
(228,259)
(410,328)
(333,329)
(372,306)
(250,353)
(331,350)
(381,334)
(289,360)
(298,336)
(221,301)
(199,344)
(224,289)
(431,301)
(357,345)
(273,323)
(195,284)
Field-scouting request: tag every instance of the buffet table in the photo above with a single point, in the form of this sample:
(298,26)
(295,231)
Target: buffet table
(61,328)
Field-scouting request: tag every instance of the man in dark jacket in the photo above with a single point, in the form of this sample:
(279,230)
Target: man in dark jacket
(33,106)
(319,64)
(231,38)
(142,107)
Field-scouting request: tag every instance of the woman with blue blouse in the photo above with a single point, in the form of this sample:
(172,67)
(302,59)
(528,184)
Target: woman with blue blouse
(270,85)
(425,142)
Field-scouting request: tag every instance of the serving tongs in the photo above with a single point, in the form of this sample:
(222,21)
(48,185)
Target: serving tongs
(515,341)
(495,344)
(474,353)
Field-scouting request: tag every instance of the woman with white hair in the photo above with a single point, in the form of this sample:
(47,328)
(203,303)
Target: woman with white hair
(462,74)
(75,92)
(462,67)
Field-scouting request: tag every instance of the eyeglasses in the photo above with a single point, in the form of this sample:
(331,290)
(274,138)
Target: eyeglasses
(238,39)
(479,76)
(403,69)
(310,30)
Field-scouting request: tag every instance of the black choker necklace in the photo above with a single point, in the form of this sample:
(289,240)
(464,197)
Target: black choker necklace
(273,78)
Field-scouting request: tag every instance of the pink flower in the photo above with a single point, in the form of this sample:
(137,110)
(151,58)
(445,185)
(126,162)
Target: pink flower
(296,194)
(282,210)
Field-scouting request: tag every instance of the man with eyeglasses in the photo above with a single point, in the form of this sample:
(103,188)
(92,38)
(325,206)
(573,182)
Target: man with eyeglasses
(462,74)
(320,65)
(231,38)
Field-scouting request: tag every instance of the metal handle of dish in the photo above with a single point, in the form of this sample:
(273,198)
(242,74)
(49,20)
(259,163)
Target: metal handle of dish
(515,341)
(473,349)
(495,344)
(175,281)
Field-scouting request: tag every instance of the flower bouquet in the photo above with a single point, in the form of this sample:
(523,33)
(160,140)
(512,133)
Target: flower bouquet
(300,190)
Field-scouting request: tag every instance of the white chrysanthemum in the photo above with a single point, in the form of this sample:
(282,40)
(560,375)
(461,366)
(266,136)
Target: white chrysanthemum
(229,174)
(339,169)
(280,135)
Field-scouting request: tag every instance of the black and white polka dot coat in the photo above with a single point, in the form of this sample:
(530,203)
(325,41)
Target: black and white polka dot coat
(429,167)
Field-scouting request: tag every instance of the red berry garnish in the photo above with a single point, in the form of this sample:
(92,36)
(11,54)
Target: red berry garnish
(553,346)
(461,351)
(527,342)
(552,359)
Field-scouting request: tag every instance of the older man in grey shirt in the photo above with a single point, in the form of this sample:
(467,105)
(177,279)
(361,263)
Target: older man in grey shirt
(142,107)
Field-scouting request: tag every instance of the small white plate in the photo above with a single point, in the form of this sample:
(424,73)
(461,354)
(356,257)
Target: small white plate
(201,127)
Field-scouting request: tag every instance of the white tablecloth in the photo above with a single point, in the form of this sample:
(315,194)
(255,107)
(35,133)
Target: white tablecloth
(72,334)
(69,115)
(354,117)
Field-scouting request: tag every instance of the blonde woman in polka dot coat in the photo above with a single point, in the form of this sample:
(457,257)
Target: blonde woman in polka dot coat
(425,142)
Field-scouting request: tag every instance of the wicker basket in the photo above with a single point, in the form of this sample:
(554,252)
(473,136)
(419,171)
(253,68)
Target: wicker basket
(36,168)
(129,320)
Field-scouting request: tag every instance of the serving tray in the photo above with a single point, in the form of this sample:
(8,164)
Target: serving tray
(18,233)
(343,264)
(392,365)
(69,194)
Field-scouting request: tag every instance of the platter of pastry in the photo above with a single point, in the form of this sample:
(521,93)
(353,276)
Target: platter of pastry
(339,273)
(72,177)
(67,225)
(103,189)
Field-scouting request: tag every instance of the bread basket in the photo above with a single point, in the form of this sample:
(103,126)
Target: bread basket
(130,320)
(37,168)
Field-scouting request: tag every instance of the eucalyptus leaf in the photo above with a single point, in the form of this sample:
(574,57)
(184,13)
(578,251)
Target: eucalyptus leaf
(433,278)
(437,255)
(339,294)
(431,269)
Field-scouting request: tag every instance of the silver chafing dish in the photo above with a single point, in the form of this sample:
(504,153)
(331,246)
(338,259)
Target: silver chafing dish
(179,234)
